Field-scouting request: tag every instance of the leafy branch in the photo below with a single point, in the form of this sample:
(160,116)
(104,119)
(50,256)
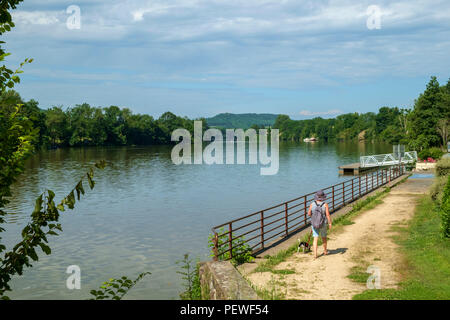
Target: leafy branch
(43,223)
(115,289)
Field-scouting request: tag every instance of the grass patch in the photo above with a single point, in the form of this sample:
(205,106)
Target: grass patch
(427,267)
(283,271)
(358,274)
(361,206)
(273,261)
(271,293)
(346,222)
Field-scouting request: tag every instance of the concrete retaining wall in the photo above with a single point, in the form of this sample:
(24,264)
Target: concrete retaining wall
(221,281)
(425,166)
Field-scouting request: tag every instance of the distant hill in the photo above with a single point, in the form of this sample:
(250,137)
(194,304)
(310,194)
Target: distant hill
(242,121)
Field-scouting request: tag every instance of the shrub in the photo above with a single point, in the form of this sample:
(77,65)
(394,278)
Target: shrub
(242,252)
(445,211)
(437,189)
(190,275)
(433,152)
(443,167)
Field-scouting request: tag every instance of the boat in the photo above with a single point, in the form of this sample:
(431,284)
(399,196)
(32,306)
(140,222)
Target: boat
(313,139)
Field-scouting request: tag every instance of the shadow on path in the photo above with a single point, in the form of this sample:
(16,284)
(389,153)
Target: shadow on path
(336,251)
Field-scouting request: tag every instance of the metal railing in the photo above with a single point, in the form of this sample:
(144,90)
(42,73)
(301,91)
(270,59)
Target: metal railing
(272,224)
(388,159)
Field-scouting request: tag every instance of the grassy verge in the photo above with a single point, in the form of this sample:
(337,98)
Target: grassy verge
(427,256)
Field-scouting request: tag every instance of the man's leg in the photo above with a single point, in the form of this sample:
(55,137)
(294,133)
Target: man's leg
(324,241)
(316,240)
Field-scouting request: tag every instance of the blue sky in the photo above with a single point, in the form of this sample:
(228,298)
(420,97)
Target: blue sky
(199,58)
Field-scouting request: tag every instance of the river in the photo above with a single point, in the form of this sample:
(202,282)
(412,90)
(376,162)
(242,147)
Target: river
(145,212)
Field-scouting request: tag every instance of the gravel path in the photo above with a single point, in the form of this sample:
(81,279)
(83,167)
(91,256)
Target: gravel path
(366,242)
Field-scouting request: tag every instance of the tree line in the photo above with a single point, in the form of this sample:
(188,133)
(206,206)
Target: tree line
(421,127)
(84,125)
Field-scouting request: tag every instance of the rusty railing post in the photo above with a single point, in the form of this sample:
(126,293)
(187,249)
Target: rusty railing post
(286,217)
(230,239)
(367,182)
(372,181)
(378,180)
(304,208)
(343,193)
(359,187)
(353,197)
(332,191)
(262,229)
(216,244)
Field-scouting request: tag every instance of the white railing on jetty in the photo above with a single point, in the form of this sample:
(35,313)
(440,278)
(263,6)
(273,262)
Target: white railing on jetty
(389,159)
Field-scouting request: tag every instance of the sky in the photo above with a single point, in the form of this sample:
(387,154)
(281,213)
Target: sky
(197,58)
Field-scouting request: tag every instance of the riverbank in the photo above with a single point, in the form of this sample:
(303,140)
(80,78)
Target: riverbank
(363,240)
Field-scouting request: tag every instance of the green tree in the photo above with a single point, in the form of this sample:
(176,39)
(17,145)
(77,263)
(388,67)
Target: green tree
(115,125)
(428,109)
(57,123)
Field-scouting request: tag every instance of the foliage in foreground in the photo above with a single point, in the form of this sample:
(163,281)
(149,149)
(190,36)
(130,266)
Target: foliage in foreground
(191,278)
(115,289)
(44,222)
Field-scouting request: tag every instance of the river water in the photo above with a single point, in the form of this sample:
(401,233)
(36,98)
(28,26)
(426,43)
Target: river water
(145,212)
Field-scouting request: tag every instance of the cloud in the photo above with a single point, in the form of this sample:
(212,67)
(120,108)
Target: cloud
(36,17)
(309,113)
(258,52)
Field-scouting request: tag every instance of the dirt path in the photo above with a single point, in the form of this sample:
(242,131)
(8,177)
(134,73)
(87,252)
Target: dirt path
(366,242)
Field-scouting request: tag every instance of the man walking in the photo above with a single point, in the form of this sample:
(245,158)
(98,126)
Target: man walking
(320,218)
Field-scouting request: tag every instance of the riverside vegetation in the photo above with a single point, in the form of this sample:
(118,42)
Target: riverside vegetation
(423,128)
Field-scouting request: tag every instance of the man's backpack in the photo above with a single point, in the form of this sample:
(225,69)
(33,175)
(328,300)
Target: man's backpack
(317,217)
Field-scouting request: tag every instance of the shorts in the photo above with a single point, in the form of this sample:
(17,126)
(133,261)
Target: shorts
(322,231)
